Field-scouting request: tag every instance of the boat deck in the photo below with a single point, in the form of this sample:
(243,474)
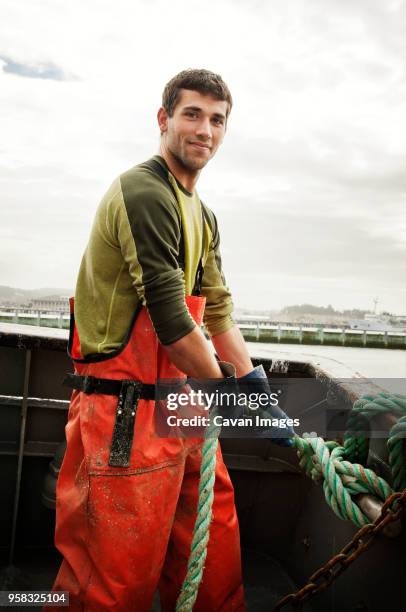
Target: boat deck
(265,580)
(287,529)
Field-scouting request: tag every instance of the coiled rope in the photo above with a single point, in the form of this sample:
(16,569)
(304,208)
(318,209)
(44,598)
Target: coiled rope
(320,459)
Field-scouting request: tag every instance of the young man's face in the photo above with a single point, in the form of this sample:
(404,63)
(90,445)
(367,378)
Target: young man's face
(195,130)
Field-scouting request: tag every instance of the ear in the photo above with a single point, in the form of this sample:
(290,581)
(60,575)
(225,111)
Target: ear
(162,117)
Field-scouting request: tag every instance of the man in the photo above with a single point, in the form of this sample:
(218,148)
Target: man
(126,498)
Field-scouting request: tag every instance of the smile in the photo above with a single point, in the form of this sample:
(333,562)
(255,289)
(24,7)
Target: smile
(199,145)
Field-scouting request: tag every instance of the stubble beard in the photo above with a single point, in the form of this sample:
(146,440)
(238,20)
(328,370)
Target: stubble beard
(188,162)
(192,164)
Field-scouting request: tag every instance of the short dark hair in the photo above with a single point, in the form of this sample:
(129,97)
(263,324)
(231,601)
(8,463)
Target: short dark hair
(205,82)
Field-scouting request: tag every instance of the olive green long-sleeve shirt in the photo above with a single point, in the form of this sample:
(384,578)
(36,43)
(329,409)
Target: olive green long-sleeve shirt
(144,226)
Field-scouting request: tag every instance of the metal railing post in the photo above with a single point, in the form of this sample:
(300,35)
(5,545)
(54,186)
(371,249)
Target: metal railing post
(23,423)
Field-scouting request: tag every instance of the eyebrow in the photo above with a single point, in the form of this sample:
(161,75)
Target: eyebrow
(198,109)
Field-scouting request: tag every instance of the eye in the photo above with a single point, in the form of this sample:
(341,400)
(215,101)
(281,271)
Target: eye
(191,114)
(218,121)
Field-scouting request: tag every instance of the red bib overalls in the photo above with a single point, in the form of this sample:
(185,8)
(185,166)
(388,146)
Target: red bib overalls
(125,531)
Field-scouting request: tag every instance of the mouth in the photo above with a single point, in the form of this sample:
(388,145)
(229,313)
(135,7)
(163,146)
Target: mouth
(200,145)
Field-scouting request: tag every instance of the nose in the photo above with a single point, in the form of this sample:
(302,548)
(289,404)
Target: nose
(204,129)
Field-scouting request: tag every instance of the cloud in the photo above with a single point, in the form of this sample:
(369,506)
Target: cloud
(309,186)
(46,70)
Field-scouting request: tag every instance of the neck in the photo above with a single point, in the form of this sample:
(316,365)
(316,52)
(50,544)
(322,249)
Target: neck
(186,177)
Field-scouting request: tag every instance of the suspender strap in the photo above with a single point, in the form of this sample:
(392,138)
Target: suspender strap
(197,289)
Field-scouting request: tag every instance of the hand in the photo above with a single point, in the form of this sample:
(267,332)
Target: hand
(271,421)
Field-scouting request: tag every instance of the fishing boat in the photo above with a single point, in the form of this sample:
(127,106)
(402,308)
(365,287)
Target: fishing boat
(288,528)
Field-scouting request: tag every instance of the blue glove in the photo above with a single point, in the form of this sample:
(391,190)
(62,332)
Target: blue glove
(255,386)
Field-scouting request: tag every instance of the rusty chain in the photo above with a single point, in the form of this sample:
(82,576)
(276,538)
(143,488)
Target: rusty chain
(393,510)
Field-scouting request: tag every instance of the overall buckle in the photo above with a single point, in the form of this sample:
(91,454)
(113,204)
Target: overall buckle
(88,384)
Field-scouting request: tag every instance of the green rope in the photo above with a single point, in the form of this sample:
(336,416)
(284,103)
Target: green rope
(320,459)
(363,411)
(397,455)
(342,479)
(198,549)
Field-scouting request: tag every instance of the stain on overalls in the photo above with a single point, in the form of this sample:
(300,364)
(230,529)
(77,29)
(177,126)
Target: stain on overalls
(125,530)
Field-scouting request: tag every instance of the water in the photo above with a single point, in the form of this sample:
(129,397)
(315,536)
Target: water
(338,361)
(341,362)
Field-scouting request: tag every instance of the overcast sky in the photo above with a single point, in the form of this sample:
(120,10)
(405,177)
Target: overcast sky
(310,184)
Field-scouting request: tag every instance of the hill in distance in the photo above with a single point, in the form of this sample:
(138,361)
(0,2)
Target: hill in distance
(20,296)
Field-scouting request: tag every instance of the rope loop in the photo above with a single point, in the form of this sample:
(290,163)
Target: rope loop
(340,467)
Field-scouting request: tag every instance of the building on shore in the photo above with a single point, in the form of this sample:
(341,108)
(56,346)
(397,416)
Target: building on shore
(51,304)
